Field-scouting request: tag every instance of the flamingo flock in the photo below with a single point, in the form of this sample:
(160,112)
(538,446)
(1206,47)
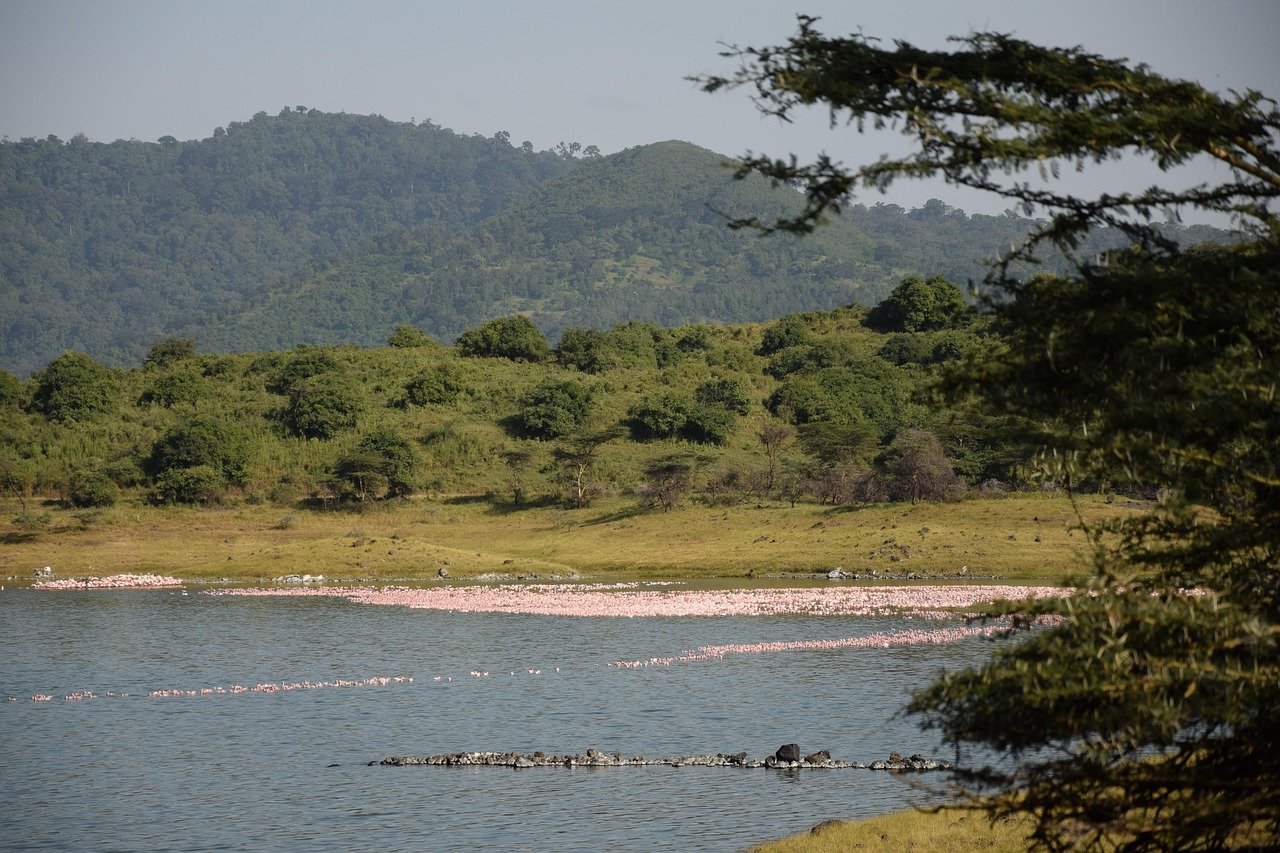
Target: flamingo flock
(124,581)
(873,641)
(616,600)
(265,687)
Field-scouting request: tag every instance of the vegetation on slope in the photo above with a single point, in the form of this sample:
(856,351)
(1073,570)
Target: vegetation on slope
(106,246)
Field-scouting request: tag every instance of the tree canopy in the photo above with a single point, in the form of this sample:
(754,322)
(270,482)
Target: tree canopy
(1144,718)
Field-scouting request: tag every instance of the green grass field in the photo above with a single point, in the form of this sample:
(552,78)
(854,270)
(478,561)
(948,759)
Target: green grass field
(1022,537)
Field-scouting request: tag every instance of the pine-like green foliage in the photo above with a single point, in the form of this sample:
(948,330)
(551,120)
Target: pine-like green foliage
(1146,718)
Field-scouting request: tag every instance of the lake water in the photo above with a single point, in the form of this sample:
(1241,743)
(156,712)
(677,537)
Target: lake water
(253,771)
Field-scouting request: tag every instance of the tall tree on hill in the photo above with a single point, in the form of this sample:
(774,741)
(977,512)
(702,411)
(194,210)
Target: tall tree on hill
(1146,719)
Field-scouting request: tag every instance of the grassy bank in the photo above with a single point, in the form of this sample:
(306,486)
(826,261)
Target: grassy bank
(1020,537)
(947,831)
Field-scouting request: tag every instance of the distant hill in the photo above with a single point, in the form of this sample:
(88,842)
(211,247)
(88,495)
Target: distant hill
(312,227)
(638,235)
(106,246)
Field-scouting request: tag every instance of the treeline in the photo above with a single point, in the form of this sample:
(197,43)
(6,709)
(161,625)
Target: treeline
(820,406)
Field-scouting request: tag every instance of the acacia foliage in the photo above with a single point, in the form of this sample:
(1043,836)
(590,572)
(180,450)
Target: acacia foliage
(1146,719)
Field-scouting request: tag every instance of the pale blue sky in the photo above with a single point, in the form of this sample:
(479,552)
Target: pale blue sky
(603,73)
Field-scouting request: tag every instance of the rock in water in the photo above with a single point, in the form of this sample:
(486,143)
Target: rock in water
(788,752)
(820,757)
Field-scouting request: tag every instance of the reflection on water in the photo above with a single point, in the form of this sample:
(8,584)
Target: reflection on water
(253,770)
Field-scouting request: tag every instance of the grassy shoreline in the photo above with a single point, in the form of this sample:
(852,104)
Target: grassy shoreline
(1017,538)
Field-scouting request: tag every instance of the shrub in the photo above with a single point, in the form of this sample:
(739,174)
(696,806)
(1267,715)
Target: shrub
(172,389)
(201,442)
(555,409)
(73,387)
(305,363)
(169,351)
(11,389)
(513,337)
(787,332)
(323,406)
(661,416)
(588,350)
(709,425)
(438,385)
(91,489)
(907,348)
(202,484)
(409,337)
(723,393)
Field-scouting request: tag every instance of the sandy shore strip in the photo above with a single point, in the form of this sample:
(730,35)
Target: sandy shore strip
(925,602)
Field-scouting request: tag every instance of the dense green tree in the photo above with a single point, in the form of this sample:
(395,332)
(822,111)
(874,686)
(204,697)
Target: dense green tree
(169,350)
(409,337)
(555,409)
(381,464)
(438,385)
(11,389)
(203,441)
(179,387)
(73,387)
(1146,718)
(723,393)
(787,332)
(91,488)
(513,337)
(303,364)
(660,416)
(588,350)
(323,406)
(920,305)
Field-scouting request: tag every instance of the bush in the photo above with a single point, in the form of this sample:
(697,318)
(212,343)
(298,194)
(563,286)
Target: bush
(723,393)
(323,406)
(73,387)
(435,386)
(200,442)
(709,425)
(787,332)
(409,337)
(305,363)
(169,351)
(661,416)
(11,389)
(202,484)
(907,348)
(514,337)
(555,409)
(91,489)
(172,389)
(588,350)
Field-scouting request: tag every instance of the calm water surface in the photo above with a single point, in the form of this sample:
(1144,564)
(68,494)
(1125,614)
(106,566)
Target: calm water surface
(253,771)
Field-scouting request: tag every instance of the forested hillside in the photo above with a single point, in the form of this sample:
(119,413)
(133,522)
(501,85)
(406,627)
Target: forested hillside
(639,235)
(106,247)
(319,228)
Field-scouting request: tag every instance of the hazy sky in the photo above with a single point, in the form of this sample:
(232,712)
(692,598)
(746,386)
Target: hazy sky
(603,73)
